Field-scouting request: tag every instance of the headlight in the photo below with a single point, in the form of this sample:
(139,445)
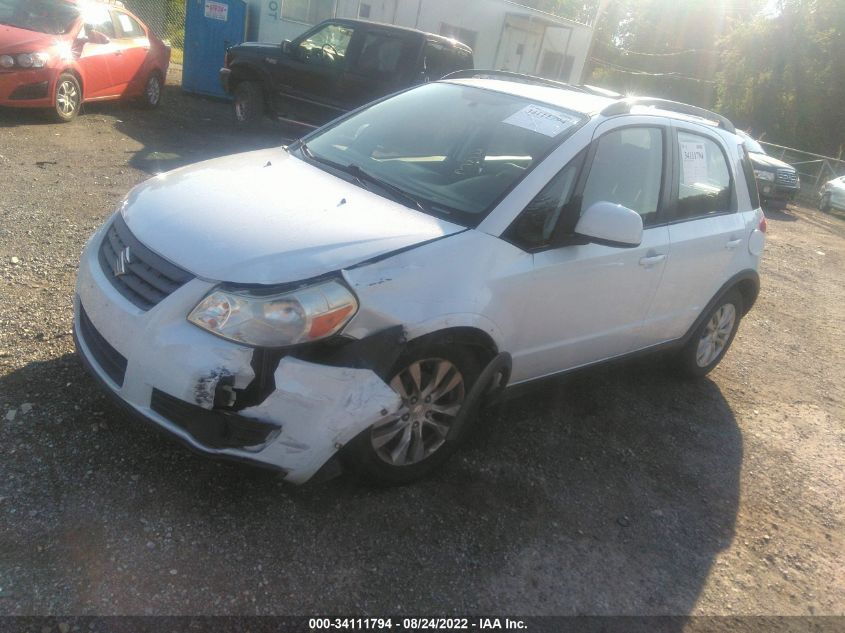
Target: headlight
(764,175)
(276,320)
(6,61)
(32,60)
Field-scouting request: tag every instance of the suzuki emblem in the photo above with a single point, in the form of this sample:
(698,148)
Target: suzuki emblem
(121,262)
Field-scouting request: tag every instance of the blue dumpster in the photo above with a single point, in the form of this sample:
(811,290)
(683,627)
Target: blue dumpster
(211,26)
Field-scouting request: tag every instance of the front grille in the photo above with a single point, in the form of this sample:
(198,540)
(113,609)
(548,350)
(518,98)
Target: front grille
(107,357)
(787,177)
(211,428)
(137,273)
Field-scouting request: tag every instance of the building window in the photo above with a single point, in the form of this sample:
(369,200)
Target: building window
(364,11)
(308,11)
(465,36)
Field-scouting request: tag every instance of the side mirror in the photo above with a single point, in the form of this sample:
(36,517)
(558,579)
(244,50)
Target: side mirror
(611,224)
(286,47)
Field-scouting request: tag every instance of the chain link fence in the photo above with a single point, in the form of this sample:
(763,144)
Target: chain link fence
(166,18)
(813,169)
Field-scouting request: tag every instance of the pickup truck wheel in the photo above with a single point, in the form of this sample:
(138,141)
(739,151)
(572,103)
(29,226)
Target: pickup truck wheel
(433,382)
(249,104)
(713,337)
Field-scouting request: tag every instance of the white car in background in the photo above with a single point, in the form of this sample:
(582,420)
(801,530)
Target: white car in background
(832,195)
(354,298)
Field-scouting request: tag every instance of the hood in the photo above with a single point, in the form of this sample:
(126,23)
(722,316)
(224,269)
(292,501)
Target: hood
(764,161)
(266,217)
(15,40)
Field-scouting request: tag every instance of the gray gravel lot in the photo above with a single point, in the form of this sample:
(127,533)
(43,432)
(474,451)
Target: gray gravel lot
(618,491)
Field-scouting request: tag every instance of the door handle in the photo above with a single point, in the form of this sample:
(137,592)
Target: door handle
(733,243)
(118,53)
(652,260)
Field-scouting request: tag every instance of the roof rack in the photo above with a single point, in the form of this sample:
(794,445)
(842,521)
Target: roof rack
(624,106)
(474,73)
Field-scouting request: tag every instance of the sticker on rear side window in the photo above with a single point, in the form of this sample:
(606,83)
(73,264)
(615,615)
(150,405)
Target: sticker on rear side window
(694,159)
(541,120)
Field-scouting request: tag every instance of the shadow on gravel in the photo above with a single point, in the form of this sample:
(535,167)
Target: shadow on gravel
(183,130)
(781,215)
(611,493)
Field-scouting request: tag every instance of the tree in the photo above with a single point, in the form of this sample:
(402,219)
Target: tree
(783,76)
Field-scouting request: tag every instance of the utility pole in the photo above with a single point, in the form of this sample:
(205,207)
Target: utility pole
(600,9)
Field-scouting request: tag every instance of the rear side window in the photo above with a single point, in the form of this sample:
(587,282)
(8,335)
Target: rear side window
(128,27)
(751,181)
(704,186)
(442,59)
(384,53)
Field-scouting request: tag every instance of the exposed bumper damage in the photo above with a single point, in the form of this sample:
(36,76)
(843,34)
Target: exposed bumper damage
(320,409)
(291,412)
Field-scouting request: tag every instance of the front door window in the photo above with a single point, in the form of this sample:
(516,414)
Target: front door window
(327,46)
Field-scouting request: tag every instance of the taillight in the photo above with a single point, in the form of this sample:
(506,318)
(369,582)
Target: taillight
(763,225)
(226,60)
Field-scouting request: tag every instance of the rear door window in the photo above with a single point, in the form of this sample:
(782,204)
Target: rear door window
(127,26)
(703,178)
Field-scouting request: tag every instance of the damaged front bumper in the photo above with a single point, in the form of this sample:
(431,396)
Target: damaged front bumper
(188,382)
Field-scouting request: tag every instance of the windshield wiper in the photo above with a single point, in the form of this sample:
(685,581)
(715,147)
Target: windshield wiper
(364,177)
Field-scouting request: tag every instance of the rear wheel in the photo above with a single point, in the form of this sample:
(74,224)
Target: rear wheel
(249,104)
(153,89)
(67,99)
(433,382)
(713,337)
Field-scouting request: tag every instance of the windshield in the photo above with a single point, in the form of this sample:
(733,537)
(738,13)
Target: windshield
(454,150)
(44,16)
(750,144)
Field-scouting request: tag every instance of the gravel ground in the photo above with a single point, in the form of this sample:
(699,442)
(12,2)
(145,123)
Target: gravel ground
(619,491)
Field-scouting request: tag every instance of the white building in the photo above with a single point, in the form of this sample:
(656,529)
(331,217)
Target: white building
(503,35)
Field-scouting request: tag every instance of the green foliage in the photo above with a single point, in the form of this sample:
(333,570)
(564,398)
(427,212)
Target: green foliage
(777,69)
(784,76)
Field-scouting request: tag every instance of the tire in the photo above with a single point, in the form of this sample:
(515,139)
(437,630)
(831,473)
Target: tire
(712,339)
(377,454)
(249,104)
(67,98)
(153,91)
(824,203)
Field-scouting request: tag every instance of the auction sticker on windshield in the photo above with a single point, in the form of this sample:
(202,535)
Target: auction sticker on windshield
(541,120)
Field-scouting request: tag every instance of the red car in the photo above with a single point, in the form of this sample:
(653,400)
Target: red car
(59,54)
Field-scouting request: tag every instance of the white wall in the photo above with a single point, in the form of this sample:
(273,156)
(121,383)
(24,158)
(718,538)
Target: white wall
(485,17)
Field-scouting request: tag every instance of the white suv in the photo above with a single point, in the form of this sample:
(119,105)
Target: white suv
(355,297)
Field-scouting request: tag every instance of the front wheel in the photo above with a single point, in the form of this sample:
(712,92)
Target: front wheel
(824,203)
(249,104)
(713,337)
(433,382)
(67,100)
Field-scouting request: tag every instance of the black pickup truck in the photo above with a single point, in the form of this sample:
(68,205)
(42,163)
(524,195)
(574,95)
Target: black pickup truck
(335,67)
(777,182)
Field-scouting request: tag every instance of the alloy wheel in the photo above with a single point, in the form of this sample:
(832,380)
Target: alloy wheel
(153,91)
(67,98)
(716,335)
(432,392)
